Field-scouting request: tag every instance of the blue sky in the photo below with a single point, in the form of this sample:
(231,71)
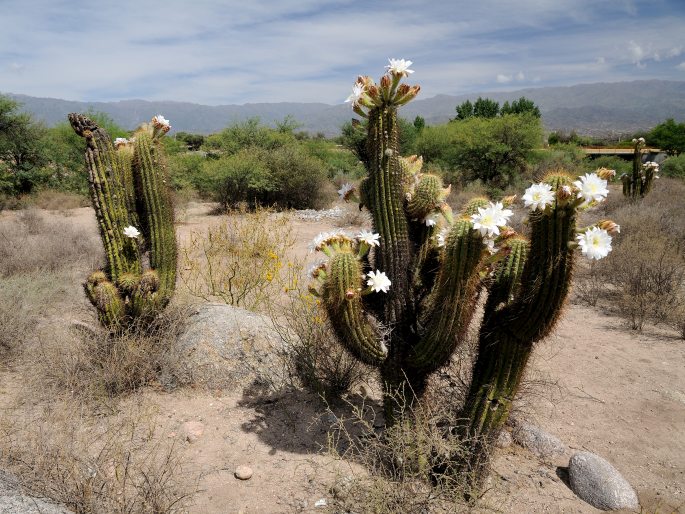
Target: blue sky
(244,51)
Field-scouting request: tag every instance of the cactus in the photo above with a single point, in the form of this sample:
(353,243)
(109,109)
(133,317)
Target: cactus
(128,188)
(639,182)
(408,318)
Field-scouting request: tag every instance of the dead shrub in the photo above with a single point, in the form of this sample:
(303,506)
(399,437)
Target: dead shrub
(30,242)
(400,463)
(241,261)
(114,464)
(311,354)
(91,364)
(52,200)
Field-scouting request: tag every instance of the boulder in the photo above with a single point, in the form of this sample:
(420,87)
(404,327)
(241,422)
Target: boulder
(13,501)
(542,444)
(597,482)
(226,346)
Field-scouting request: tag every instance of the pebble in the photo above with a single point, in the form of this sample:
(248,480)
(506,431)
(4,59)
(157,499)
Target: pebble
(193,430)
(243,472)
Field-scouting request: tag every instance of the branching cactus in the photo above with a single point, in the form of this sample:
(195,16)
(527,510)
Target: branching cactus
(403,296)
(639,182)
(130,194)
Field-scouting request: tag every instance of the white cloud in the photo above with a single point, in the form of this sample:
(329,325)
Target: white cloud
(520,76)
(503,79)
(681,66)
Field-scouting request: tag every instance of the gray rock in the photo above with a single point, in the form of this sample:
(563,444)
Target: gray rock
(226,346)
(597,482)
(504,439)
(192,430)
(543,444)
(13,501)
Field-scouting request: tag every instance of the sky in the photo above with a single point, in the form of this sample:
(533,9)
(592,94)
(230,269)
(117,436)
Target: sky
(236,52)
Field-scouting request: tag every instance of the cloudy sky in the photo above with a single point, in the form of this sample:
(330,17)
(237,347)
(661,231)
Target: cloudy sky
(216,52)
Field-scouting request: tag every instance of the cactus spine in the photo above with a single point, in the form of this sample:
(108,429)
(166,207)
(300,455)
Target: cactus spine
(639,182)
(439,264)
(129,190)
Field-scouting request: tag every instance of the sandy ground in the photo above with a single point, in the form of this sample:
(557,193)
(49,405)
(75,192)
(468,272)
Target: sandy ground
(617,393)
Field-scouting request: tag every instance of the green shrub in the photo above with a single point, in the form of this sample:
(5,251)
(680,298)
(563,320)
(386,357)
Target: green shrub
(608,161)
(243,177)
(563,155)
(187,170)
(674,167)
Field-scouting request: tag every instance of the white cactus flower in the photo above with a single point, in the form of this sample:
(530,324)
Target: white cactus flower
(595,243)
(538,196)
(315,268)
(120,141)
(490,245)
(318,241)
(345,191)
(131,232)
(592,188)
(378,281)
(370,238)
(160,121)
(399,67)
(357,92)
(489,219)
(641,140)
(430,220)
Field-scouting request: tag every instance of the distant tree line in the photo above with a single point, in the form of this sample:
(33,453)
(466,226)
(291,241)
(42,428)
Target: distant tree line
(488,108)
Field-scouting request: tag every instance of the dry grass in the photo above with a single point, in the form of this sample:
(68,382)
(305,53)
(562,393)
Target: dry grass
(52,200)
(114,464)
(30,242)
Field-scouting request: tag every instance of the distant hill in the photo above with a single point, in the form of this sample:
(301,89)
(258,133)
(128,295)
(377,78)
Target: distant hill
(594,109)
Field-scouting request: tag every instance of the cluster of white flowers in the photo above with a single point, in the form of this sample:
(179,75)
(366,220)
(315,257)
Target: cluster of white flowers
(591,188)
(160,121)
(595,243)
(489,219)
(651,164)
(378,281)
(399,67)
(370,238)
(640,140)
(131,232)
(538,196)
(121,141)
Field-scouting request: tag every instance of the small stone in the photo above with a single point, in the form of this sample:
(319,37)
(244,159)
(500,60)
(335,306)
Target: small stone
(243,472)
(192,430)
(541,443)
(596,481)
(504,439)
(320,503)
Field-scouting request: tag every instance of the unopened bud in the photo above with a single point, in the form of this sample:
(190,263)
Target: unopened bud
(509,200)
(349,294)
(386,82)
(564,192)
(605,173)
(507,233)
(388,152)
(611,227)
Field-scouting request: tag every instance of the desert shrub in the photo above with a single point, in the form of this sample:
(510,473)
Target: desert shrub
(250,133)
(310,355)
(492,150)
(558,156)
(55,200)
(186,171)
(339,161)
(240,178)
(674,167)
(30,243)
(118,464)
(240,261)
(300,179)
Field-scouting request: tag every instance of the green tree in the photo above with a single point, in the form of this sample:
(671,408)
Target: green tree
(21,149)
(464,110)
(521,106)
(668,136)
(485,108)
(419,123)
(192,141)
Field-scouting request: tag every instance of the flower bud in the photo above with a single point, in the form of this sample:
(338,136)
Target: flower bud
(564,193)
(605,173)
(509,200)
(386,82)
(349,294)
(611,227)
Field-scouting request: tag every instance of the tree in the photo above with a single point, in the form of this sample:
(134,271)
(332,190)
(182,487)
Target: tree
(485,108)
(464,110)
(521,106)
(21,149)
(668,136)
(192,141)
(419,123)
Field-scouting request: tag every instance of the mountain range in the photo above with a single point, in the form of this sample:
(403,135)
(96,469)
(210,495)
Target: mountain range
(592,109)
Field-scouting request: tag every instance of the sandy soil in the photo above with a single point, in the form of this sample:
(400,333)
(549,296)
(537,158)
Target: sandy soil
(617,393)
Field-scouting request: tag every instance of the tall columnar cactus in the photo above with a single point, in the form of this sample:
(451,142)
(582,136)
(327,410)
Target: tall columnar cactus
(638,183)
(132,202)
(403,296)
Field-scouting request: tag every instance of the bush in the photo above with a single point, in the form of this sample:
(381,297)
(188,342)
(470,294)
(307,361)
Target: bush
(674,167)
(240,178)
(560,156)
(608,161)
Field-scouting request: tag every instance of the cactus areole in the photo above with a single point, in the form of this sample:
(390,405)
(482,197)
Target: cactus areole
(439,264)
(132,202)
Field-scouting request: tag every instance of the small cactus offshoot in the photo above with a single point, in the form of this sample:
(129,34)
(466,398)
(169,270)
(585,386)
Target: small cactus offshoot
(403,296)
(132,202)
